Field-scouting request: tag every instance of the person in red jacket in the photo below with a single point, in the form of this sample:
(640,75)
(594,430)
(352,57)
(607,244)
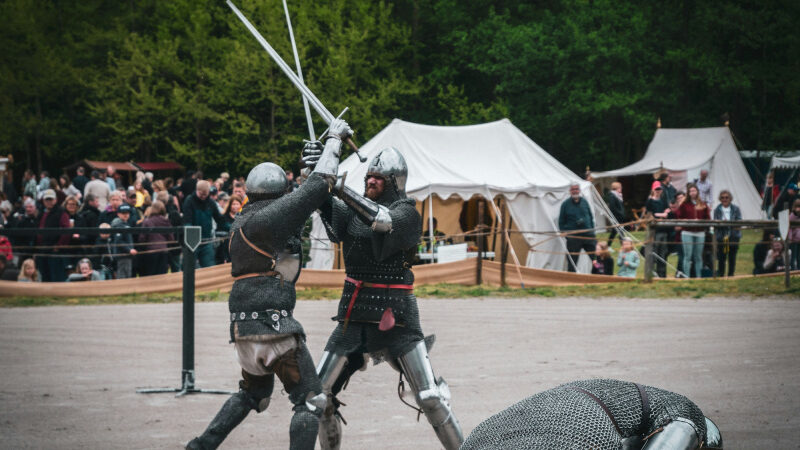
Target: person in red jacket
(693,238)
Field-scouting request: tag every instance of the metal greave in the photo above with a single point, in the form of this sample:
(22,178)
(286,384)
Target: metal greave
(432,396)
(329,369)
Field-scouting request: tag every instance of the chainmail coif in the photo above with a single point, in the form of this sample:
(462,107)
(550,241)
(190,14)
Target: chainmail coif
(567,418)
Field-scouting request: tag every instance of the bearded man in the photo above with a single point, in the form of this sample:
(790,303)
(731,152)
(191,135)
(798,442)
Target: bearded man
(377,313)
(266,256)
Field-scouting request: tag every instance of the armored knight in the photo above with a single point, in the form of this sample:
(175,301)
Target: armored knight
(599,414)
(266,254)
(377,313)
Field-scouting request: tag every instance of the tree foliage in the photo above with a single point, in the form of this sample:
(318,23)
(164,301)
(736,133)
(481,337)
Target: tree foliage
(184,80)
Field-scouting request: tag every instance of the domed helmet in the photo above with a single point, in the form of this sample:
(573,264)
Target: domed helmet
(390,165)
(266,180)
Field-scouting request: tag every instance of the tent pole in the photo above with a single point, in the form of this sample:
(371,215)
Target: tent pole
(513,253)
(430,221)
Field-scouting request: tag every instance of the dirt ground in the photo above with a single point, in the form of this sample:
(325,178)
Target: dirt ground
(68,375)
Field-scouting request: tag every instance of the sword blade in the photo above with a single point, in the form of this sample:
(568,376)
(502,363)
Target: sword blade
(311,133)
(312,99)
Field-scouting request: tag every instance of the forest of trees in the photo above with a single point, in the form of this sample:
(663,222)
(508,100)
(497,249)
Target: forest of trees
(587,80)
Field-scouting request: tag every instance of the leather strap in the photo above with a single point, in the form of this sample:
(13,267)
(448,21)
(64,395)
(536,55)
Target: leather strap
(359,284)
(602,405)
(645,423)
(271,273)
(254,247)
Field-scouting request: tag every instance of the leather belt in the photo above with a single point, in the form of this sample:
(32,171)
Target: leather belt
(270,273)
(387,322)
(273,314)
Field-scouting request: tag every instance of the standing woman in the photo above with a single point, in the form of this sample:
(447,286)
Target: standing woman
(70,205)
(233,207)
(727,237)
(659,209)
(155,257)
(693,238)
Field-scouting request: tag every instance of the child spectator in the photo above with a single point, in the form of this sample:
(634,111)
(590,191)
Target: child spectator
(774,261)
(28,272)
(84,272)
(123,243)
(604,263)
(628,259)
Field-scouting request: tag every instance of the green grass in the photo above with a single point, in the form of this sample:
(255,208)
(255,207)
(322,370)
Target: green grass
(744,287)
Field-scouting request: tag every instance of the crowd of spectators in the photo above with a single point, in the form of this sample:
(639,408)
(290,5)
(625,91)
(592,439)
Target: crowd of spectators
(104,200)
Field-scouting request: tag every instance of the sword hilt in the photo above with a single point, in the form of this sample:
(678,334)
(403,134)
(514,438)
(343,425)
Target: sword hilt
(352,145)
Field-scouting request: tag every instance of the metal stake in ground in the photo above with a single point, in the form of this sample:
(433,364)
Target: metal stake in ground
(191,240)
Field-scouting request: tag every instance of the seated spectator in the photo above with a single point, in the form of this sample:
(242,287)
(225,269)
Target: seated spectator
(761,248)
(727,237)
(628,259)
(604,263)
(774,261)
(123,243)
(7,271)
(84,272)
(28,272)
(794,235)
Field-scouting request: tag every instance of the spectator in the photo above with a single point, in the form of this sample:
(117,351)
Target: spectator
(175,220)
(292,183)
(770,195)
(760,250)
(29,185)
(199,210)
(617,208)
(44,183)
(438,236)
(575,215)
(110,181)
(6,210)
(794,235)
(110,212)
(8,272)
(727,237)
(70,205)
(189,184)
(693,238)
(628,259)
(604,263)
(6,251)
(229,214)
(705,188)
(147,183)
(786,200)
(659,208)
(155,259)
(69,188)
(60,195)
(774,261)
(54,216)
(28,272)
(129,197)
(238,189)
(222,201)
(85,272)
(80,179)
(213,194)
(666,185)
(90,213)
(143,199)
(123,243)
(105,254)
(675,245)
(29,218)
(226,182)
(99,189)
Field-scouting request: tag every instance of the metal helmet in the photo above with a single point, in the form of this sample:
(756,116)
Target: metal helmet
(266,180)
(390,164)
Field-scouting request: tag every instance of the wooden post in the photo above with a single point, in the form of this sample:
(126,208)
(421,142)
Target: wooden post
(648,252)
(787,264)
(504,248)
(481,237)
(714,253)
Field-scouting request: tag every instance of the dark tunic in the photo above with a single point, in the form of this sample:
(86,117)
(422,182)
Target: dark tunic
(383,258)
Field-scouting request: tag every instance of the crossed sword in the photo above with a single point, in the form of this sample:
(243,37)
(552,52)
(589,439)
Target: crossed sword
(296,79)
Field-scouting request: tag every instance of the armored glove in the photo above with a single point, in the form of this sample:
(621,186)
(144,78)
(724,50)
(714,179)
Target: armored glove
(339,129)
(311,153)
(328,161)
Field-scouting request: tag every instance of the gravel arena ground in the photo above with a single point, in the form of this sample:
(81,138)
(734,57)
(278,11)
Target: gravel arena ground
(69,374)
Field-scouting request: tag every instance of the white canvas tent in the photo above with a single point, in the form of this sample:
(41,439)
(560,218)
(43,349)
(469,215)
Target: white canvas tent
(488,160)
(787,162)
(683,151)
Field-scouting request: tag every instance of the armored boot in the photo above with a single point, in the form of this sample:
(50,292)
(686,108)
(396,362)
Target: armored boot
(432,396)
(229,416)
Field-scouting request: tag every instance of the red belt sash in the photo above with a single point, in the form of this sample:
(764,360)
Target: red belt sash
(387,320)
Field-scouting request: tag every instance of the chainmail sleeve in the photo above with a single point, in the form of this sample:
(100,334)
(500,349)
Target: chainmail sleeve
(284,216)
(406,230)
(335,216)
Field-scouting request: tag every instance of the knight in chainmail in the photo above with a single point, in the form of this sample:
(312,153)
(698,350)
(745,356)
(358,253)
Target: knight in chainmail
(598,414)
(377,314)
(266,253)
